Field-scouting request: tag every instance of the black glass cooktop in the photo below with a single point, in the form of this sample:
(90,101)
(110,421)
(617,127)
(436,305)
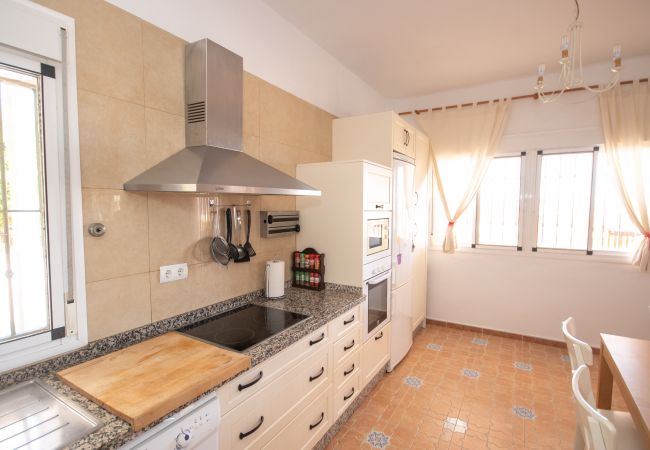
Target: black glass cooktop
(243,327)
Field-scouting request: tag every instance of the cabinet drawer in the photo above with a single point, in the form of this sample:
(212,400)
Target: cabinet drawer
(346,394)
(347,369)
(377,191)
(348,344)
(307,428)
(344,323)
(375,354)
(257,420)
(247,384)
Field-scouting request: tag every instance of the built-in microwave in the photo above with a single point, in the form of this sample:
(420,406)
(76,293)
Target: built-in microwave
(376,235)
(376,288)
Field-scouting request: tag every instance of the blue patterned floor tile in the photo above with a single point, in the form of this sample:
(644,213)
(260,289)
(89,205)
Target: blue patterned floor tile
(413,381)
(479,341)
(471,373)
(378,439)
(526,413)
(523,366)
(434,347)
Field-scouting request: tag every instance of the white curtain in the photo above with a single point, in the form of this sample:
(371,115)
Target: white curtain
(625,115)
(463,140)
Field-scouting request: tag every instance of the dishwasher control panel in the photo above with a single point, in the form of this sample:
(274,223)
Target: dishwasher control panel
(194,428)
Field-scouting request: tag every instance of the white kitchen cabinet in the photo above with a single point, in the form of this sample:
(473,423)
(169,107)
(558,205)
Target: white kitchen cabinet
(340,326)
(375,354)
(421,232)
(372,137)
(307,428)
(346,345)
(377,190)
(335,223)
(346,394)
(247,384)
(403,137)
(257,420)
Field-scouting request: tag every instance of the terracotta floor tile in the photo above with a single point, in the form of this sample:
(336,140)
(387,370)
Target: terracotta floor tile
(455,409)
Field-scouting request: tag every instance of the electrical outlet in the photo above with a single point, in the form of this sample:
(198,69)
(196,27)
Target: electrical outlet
(173,272)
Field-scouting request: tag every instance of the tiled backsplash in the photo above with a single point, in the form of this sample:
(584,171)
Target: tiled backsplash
(130,95)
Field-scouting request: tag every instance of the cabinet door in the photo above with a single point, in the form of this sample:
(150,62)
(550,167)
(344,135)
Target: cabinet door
(421,231)
(375,354)
(403,137)
(377,190)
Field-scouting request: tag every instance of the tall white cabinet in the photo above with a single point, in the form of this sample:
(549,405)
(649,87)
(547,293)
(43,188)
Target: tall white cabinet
(380,138)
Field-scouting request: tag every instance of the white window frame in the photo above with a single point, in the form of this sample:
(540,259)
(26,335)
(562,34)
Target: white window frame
(26,38)
(529,214)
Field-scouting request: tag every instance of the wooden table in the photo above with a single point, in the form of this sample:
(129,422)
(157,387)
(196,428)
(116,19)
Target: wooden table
(626,361)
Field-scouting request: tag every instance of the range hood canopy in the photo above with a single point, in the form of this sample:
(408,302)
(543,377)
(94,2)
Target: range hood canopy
(213,161)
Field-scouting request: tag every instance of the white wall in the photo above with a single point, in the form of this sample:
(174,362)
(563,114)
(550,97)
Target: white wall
(272,48)
(531,293)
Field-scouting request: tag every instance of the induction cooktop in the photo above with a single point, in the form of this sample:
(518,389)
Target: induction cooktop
(244,327)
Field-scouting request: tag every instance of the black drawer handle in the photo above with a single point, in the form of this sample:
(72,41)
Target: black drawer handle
(322,417)
(379,206)
(379,336)
(345,349)
(349,395)
(316,377)
(345,322)
(349,371)
(257,427)
(322,336)
(241,387)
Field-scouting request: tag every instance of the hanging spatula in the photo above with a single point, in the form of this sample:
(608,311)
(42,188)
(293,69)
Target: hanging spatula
(248,246)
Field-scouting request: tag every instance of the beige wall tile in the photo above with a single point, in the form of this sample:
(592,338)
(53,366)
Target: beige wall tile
(165,135)
(278,155)
(180,229)
(251,113)
(109,48)
(112,140)
(124,249)
(252,145)
(117,305)
(164,70)
(279,115)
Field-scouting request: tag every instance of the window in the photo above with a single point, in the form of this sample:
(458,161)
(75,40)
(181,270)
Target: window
(498,203)
(564,200)
(42,303)
(570,203)
(24,288)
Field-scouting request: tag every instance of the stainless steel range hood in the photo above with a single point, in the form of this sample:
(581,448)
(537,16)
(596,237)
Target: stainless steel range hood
(213,161)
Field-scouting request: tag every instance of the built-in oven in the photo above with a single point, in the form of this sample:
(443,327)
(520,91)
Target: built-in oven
(376,235)
(376,288)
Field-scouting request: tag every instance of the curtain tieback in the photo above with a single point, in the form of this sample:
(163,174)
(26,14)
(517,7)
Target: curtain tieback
(451,224)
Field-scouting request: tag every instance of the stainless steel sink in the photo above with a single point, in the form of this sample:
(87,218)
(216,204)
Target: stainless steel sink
(32,416)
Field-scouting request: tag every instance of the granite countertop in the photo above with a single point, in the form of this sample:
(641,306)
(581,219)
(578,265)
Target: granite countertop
(320,306)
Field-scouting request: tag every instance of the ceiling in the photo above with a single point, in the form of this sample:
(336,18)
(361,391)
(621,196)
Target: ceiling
(416,47)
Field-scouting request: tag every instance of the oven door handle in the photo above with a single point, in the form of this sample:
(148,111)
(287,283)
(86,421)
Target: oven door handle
(378,279)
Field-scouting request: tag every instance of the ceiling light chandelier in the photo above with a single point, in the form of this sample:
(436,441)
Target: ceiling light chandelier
(571,76)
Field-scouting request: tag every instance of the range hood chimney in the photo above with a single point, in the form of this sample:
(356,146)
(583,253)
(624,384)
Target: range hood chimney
(213,161)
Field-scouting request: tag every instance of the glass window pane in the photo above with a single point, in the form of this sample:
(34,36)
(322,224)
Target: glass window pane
(499,203)
(24,278)
(613,229)
(564,200)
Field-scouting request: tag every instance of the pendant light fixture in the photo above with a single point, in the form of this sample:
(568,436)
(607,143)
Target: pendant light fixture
(571,76)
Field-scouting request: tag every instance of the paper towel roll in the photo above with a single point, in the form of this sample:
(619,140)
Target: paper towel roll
(274,279)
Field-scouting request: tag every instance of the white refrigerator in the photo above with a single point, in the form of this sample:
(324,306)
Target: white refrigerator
(402,258)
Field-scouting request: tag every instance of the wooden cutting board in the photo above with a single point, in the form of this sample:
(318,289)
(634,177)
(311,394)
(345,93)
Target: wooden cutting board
(146,381)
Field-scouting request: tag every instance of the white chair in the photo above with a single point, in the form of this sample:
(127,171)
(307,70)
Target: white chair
(579,352)
(601,429)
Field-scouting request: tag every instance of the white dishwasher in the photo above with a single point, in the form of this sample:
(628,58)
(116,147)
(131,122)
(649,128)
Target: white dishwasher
(196,427)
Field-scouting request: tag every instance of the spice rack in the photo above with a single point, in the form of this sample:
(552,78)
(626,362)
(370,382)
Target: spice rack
(308,268)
